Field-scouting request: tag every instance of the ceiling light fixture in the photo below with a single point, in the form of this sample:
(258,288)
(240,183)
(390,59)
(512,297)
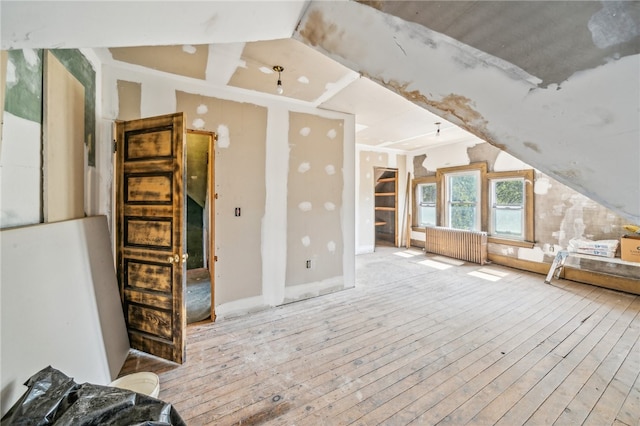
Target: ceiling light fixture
(438,131)
(279,89)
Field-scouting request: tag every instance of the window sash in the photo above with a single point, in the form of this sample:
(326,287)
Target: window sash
(463,213)
(507,219)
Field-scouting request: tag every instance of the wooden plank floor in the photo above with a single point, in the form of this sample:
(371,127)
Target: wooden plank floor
(419,341)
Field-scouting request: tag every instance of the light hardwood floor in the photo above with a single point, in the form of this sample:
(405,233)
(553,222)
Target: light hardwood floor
(418,343)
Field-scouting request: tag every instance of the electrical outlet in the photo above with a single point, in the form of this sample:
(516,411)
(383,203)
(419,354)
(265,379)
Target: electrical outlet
(308,264)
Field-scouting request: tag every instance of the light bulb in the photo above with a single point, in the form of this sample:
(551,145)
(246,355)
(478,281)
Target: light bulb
(279,88)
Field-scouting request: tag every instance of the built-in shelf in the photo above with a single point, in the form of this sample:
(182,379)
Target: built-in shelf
(386,204)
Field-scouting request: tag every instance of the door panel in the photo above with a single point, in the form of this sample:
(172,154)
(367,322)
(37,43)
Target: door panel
(150,233)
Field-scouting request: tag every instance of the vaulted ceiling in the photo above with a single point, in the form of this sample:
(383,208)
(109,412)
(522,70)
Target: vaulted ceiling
(553,83)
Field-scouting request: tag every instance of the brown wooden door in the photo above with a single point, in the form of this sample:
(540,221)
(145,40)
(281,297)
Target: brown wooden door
(150,233)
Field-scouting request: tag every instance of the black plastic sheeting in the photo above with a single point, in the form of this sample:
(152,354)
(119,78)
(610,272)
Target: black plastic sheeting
(55,399)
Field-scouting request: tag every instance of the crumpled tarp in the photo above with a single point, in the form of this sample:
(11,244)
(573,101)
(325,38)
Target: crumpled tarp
(55,399)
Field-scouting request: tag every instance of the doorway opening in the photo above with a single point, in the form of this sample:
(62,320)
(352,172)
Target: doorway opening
(199,225)
(386,206)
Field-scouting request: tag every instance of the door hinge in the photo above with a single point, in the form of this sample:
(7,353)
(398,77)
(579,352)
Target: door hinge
(215,195)
(215,258)
(115,145)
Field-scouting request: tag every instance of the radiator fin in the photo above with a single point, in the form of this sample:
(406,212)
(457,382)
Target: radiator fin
(457,243)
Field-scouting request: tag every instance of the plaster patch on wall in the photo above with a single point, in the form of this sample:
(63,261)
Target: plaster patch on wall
(306,241)
(202,109)
(506,251)
(367,158)
(484,152)
(304,167)
(330,169)
(305,131)
(329,206)
(551,249)
(302,79)
(448,156)
(418,169)
(32,58)
(573,225)
(12,77)
(223,136)
(266,70)
(534,254)
(331,134)
(542,186)
(612,25)
(368,175)
(305,206)
(189,48)
(331,246)
(198,123)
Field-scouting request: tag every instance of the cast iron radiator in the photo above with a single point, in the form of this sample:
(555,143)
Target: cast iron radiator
(457,243)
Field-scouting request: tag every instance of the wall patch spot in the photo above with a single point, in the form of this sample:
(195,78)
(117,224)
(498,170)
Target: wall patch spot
(202,109)
(329,206)
(266,70)
(368,175)
(198,123)
(189,48)
(330,169)
(12,77)
(541,186)
(612,25)
(532,146)
(306,241)
(31,58)
(304,167)
(331,134)
(305,206)
(331,246)
(302,79)
(305,131)
(223,136)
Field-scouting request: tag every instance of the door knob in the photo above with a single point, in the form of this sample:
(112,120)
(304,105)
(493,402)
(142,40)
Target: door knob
(173,258)
(185,257)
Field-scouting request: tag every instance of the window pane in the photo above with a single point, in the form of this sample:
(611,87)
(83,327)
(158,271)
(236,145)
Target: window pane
(463,216)
(428,193)
(464,188)
(509,192)
(508,222)
(427,216)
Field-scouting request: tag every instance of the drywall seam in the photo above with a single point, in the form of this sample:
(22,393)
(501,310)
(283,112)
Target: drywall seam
(274,222)
(347,213)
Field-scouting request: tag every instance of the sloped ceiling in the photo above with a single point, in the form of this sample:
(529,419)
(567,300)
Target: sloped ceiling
(553,83)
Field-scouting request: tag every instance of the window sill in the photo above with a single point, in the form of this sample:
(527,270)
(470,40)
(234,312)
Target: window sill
(508,242)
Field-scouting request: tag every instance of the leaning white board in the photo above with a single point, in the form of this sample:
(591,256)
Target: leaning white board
(60,305)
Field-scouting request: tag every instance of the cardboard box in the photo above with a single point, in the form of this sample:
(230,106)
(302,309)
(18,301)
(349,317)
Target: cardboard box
(630,248)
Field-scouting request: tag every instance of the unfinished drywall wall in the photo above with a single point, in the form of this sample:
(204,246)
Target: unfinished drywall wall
(561,129)
(239,183)
(63,143)
(187,60)
(314,201)
(65,311)
(20,150)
